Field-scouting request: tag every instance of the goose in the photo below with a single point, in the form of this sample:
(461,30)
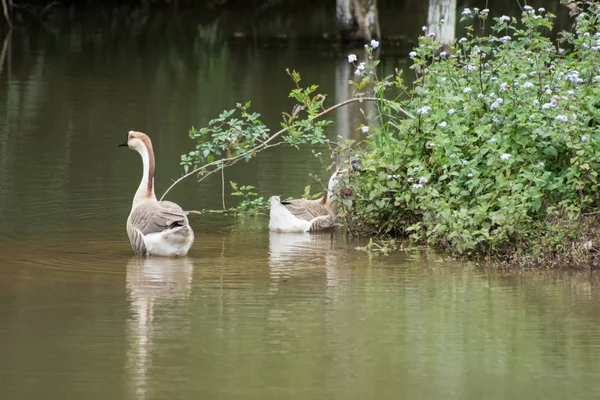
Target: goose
(305,215)
(155,228)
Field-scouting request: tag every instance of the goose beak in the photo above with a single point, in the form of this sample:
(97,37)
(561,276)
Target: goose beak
(123,144)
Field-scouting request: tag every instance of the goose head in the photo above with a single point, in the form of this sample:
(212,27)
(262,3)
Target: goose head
(137,141)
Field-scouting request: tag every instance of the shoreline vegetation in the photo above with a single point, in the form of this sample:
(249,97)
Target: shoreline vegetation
(492,154)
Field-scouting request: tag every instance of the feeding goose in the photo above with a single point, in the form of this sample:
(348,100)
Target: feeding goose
(304,215)
(156,228)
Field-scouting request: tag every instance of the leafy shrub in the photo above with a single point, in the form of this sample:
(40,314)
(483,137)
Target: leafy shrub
(505,136)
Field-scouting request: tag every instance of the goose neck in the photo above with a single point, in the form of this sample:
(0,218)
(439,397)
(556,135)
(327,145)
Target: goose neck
(146,189)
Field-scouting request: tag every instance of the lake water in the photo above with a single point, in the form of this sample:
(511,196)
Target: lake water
(247,314)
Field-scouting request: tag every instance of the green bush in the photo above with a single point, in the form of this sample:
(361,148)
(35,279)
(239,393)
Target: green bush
(505,136)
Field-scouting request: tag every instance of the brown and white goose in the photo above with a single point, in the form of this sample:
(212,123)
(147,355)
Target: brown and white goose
(304,215)
(156,228)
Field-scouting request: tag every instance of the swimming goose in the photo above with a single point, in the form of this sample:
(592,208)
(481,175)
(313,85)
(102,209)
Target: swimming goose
(305,215)
(156,228)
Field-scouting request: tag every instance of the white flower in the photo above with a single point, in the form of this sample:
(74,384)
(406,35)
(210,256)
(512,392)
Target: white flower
(527,85)
(570,91)
(541,10)
(412,54)
(358,71)
(541,164)
(597,78)
(409,180)
(431,35)
(417,186)
(522,76)
(583,139)
(562,118)
(452,155)
(465,162)
(531,117)
(527,8)
(573,76)
(503,86)
(443,54)
(361,66)
(462,40)
(442,124)
(495,120)
(424,28)
(364,129)
(423,110)
(574,117)
(430,145)
(545,106)
(493,140)
(466,11)
(484,11)
(470,67)
(480,96)
(504,18)
(422,180)
(469,175)
(467,90)
(587,34)
(536,102)
(451,111)
(548,91)
(351,58)
(495,105)
(505,157)
(374,44)
(505,39)
(442,21)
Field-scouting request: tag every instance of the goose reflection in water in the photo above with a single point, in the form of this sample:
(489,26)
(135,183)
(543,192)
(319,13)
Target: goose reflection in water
(158,290)
(301,255)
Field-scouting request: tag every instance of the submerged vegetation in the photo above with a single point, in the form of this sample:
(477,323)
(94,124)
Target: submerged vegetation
(492,152)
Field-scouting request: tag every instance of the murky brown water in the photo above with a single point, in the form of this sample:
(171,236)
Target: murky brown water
(248,314)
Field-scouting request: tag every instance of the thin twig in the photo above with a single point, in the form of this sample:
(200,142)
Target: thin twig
(5,9)
(3,53)
(265,144)
(223,185)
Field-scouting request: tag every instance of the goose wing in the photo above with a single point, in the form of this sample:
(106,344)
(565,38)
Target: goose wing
(306,209)
(153,217)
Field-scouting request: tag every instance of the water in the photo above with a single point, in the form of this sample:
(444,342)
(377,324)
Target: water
(248,314)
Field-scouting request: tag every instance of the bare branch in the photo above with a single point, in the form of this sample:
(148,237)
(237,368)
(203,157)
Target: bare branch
(232,160)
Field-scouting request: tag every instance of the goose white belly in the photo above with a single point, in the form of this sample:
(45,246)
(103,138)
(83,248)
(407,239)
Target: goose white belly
(282,220)
(170,243)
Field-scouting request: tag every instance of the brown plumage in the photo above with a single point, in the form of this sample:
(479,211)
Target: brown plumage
(308,209)
(156,217)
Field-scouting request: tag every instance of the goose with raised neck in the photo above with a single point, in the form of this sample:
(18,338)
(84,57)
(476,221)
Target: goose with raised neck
(154,227)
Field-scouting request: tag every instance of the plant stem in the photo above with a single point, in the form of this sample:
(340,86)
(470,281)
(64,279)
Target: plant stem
(265,144)
(223,185)
(5,9)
